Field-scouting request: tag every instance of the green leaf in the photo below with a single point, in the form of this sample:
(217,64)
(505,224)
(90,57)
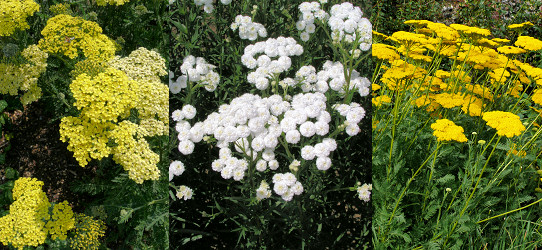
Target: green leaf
(3,105)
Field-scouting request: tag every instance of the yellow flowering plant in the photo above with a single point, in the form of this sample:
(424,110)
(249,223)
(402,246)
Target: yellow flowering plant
(107,102)
(14,14)
(81,70)
(32,218)
(461,122)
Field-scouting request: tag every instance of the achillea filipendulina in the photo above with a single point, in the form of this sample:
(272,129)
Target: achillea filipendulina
(505,123)
(446,130)
(379,100)
(529,43)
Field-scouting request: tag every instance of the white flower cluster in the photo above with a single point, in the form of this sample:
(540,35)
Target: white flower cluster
(176,168)
(248,29)
(266,67)
(195,70)
(229,166)
(347,22)
(354,113)
(175,86)
(309,12)
(321,151)
(286,185)
(364,192)
(184,192)
(263,192)
(188,135)
(333,74)
(208,4)
(252,126)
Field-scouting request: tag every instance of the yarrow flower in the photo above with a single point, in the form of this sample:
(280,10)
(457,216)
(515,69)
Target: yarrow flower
(208,4)
(184,193)
(505,123)
(14,13)
(68,35)
(309,13)
(263,191)
(30,219)
(24,77)
(364,192)
(286,185)
(176,168)
(88,232)
(105,101)
(446,130)
(196,70)
(248,29)
(266,68)
(347,23)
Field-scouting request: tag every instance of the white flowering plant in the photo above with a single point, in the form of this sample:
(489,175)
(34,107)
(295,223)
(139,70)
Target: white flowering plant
(279,139)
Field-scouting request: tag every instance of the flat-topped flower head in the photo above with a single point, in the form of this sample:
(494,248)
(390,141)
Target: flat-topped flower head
(520,26)
(505,123)
(529,43)
(446,130)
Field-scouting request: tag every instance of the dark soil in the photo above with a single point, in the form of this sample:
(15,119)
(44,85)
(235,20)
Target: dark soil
(36,151)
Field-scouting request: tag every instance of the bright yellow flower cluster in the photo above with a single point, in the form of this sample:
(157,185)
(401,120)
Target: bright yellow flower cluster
(106,96)
(29,222)
(111,2)
(24,77)
(87,140)
(529,43)
(61,221)
(446,130)
(14,13)
(505,123)
(87,232)
(68,35)
(469,31)
(379,100)
(520,26)
(106,100)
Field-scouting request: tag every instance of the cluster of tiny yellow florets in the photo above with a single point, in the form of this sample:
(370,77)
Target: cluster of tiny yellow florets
(141,64)
(505,123)
(14,13)
(106,101)
(446,130)
(134,153)
(87,140)
(61,221)
(106,96)
(29,222)
(87,232)
(111,2)
(61,8)
(24,77)
(146,67)
(68,35)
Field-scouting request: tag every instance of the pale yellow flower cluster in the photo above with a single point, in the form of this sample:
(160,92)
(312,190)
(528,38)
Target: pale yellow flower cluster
(24,77)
